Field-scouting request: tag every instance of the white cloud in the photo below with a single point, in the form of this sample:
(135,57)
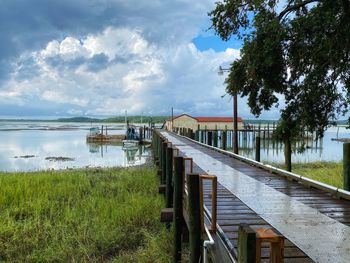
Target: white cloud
(141,59)
(150,79)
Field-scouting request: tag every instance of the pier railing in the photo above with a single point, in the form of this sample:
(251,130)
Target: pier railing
(185,192)
(186,189)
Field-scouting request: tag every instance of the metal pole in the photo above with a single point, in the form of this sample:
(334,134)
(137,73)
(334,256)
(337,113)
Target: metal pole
(235,125)
(172,118)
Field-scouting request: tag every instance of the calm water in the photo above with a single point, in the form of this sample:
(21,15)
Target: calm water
(322,150)
(50,139)
(42,140)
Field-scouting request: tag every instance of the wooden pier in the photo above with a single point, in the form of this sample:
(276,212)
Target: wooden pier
(309,221)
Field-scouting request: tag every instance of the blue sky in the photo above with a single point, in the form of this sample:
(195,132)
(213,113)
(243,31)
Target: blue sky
(214,42)
(102,57)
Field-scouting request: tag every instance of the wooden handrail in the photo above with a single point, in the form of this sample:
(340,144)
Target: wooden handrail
(191,170)
(214,186)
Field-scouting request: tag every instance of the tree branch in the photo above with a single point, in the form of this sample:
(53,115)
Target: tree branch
(295,7)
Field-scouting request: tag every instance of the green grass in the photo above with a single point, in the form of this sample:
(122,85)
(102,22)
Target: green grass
(94,215)
(327,172)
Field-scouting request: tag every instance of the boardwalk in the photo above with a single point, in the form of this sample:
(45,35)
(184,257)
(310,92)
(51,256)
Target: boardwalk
(315,223)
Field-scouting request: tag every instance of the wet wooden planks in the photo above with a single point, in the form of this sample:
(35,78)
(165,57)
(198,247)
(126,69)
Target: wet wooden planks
(231,211)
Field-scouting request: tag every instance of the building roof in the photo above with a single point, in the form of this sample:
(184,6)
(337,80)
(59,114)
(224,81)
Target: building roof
(210,119)
(217,119)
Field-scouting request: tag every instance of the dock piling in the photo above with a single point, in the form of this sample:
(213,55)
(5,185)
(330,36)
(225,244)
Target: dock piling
(346,166)
(194,217)
(246,244)
(178,217)
(169,177)
(257,149)
(163,163)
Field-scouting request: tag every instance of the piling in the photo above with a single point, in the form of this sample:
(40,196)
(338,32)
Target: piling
(140,133)
(288,155)
(178,220)
(164,149)
(197,133)
(346,166)
(224,140)
(246,244)
(257,149)
(194,217)
(169,177)
(210,138)
(215,134)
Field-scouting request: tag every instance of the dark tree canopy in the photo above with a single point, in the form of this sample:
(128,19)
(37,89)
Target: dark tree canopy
(297,55)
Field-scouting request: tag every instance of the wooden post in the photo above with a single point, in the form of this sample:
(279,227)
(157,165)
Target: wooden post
(169,177)
(159,151)
(210,138)
(288,154)
(178,195)
(246,244)
(215,133)
(257,149)
(140,134)
(346,165)
(197,133)
(224,140)
(192,134)
(155,147)
(164,147)
(194,217)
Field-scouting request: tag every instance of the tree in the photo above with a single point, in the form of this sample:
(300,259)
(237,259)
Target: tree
(297,55)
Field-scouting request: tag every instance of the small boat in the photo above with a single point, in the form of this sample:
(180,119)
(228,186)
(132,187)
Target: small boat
(130,143)
(132,138)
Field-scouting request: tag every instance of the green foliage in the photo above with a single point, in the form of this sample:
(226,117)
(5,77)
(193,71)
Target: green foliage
(81,216)
(299,54)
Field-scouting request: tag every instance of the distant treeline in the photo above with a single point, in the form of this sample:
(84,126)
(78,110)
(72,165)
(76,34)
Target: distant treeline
(118,119)
(145,119)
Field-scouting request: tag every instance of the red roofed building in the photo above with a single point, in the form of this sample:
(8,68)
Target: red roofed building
(208,123)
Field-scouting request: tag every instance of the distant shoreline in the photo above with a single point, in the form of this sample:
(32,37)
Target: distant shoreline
(117,120)
(133,119)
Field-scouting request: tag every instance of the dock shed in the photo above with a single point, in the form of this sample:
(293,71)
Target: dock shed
(205,123)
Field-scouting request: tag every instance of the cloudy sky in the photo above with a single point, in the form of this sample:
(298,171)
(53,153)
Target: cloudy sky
(102,57)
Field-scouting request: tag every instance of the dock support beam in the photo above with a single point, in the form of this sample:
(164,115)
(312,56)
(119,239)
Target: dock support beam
(257,149)
(194,217)
(178,218)
(224,140)
(164,146)
(346,166)
(169,177)
(210,138)
(215,134)
(246,244)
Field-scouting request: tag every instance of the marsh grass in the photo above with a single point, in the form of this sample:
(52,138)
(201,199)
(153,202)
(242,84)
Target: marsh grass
(327,172)
(93,215)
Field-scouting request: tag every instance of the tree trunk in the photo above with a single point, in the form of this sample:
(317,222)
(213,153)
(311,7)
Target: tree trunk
(288,154)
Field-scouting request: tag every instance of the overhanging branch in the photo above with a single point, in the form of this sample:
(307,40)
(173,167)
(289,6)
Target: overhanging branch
(291,8)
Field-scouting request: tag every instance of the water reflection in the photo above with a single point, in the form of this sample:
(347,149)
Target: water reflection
(70,144)
(325,149)
(132,155)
